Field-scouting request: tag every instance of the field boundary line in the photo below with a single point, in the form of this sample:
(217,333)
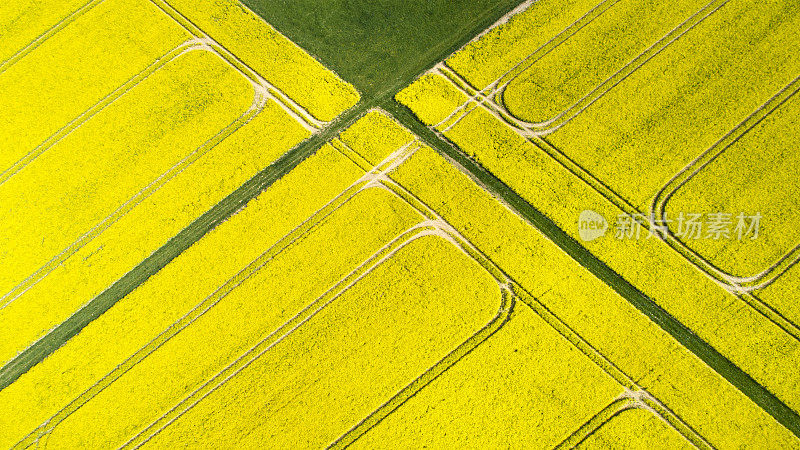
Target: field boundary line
(153,186)
(755,301)
(77,122)
(50,32)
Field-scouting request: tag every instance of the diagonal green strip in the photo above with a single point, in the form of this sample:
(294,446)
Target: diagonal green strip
(161,257)
(377,93)
(686,337)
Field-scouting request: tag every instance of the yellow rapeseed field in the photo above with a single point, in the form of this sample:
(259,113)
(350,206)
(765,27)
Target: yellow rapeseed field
(55,87)
(170,209)
(662,116)
(144,314)
(432,98)
(70,193)
(82,180)
(289,282)
(375,136)
(647,263)
(784,295)
(559,79)
(317,304)
(526,384)
(501,48)
(370,286)
(304,186)
(351,357)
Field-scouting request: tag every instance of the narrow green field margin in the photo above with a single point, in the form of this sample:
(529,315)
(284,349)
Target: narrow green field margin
(421,40)
(686,337)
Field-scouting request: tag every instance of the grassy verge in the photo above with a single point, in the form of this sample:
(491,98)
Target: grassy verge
(708,354)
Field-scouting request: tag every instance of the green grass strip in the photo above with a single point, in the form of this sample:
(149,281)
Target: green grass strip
(686,337)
